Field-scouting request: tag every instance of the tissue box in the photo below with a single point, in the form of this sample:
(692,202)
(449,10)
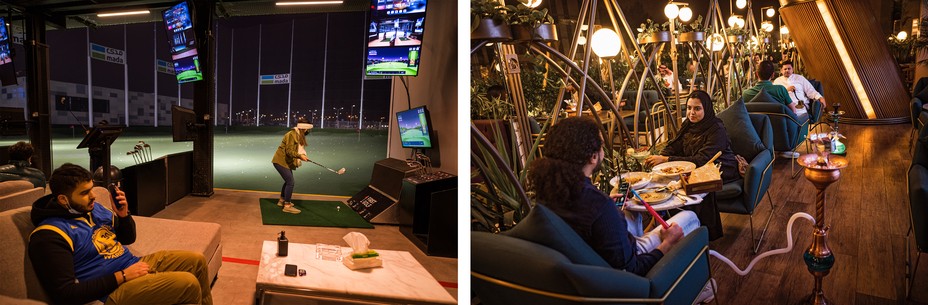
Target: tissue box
(362,263)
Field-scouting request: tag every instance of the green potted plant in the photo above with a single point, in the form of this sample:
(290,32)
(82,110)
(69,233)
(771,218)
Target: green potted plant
(488,21)
(650,32)
(736,34)
(527,23)
(693,31)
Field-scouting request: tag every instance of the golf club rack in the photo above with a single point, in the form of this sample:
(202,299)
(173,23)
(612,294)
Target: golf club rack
(141,153)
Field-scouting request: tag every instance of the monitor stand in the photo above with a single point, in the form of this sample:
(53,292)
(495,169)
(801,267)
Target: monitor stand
(101,137)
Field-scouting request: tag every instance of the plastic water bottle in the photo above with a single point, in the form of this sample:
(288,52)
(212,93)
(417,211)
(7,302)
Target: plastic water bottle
(282,244)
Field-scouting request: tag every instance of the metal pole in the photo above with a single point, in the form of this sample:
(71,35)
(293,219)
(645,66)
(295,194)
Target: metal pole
(89,83)
(325,65)
(676,76)
(154,55)
(258,107)
(290,82)
(125,72)
(231,70)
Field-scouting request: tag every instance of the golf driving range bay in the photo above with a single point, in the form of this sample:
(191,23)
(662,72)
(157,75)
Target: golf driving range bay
(242,157)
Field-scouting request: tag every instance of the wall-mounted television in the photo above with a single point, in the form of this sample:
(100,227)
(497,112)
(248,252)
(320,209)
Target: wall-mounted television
(5,56)
(178,23)
(393,61)
(395,31)
(187,67)
(415,127)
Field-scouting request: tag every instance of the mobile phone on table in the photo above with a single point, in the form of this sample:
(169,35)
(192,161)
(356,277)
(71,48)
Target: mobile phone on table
(290,270)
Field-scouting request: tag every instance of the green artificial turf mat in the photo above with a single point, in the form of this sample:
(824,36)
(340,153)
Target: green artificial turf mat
(315,214)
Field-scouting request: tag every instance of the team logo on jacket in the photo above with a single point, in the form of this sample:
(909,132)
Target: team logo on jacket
(105,241)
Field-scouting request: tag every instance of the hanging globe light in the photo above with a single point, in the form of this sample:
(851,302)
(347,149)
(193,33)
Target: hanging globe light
(902,35)
(767,26)
(733,20)
(686,14)
(740,22)
(715,42)
(770,12)
(671,11)
(741,4)
(606,43)
(531,3)
(784,30)
(581,41)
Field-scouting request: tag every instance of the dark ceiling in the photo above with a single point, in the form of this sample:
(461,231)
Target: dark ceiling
(75,14)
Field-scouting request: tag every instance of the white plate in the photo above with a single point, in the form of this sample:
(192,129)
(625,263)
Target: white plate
(653,198)
(645,178)
(674,168)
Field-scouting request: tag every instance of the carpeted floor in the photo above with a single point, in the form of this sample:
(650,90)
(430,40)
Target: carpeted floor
(316,213)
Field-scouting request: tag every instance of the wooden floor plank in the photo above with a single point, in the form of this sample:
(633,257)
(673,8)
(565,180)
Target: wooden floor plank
(867,211)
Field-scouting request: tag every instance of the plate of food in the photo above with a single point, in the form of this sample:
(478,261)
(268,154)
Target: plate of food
(653,197)
(673,168)
(636,180)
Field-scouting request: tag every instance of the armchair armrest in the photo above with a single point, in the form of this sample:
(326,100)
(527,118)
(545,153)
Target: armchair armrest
(757,179)
(680,262)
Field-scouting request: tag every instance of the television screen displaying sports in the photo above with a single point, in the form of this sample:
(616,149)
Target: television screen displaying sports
(414,128)
(394,37)
(187,67)
(4,43)
(179,26)
(393,61)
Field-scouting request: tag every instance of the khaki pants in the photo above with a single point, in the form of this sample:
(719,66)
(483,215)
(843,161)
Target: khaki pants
(175,277)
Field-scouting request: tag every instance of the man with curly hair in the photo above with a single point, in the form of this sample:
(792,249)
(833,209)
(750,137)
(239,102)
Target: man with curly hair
(20,166)
(561,181)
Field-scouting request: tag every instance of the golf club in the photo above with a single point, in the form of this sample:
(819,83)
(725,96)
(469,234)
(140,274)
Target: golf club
(340,171)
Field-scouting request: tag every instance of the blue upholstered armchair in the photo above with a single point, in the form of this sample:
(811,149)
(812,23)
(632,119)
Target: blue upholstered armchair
(919,117)
(789,130)
(543,261)
(752,138)
(917,181)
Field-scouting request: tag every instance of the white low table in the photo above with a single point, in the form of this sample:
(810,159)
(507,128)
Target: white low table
(401,280)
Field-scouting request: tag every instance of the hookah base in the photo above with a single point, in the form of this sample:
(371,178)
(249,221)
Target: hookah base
(817,299)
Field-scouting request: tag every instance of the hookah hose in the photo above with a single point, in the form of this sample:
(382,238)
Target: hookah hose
(789,246)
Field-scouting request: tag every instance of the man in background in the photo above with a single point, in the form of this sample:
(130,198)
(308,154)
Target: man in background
(800,89)
(20,166)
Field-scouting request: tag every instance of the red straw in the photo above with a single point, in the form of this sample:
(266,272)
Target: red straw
(651,210)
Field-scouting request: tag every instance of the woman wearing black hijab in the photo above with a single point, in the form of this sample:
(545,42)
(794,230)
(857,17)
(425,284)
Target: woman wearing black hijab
(701,137)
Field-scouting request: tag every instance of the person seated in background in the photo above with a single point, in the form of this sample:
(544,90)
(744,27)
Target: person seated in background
(701,136)
(79,255)
(20,166)
(561,181)
(799,88)
(667,78)
(765,73)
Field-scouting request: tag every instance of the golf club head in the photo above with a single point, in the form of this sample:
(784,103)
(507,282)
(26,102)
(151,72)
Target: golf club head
(341,171)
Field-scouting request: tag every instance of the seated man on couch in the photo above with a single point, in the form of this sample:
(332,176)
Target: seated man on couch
(20,166)
(78,254)
(561,182)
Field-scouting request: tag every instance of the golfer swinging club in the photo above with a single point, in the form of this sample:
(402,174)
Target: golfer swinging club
(290,154)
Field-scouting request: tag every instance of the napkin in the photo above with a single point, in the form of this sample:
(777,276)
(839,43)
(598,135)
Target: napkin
(361,256)
(358,242)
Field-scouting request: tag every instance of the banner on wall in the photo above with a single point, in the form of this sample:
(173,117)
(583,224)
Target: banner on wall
(103,53)
(165,66)
(274,79)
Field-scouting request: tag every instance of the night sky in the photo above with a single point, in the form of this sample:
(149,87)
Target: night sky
(324,44)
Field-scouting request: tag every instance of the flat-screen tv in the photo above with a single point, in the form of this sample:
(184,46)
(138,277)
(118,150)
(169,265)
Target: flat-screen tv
(178,24)
(187,67)
(5,56)
(394,33)
(183,124)
(415,126)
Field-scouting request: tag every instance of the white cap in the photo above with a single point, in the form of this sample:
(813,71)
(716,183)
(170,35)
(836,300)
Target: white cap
(304,126)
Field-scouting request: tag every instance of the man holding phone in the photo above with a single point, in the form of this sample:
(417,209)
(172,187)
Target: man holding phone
(78,252)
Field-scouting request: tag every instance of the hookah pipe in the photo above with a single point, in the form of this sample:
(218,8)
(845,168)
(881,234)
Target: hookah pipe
(789,247)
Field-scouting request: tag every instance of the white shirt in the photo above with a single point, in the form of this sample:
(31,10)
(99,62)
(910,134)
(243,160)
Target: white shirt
(804,90)
(668,79)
